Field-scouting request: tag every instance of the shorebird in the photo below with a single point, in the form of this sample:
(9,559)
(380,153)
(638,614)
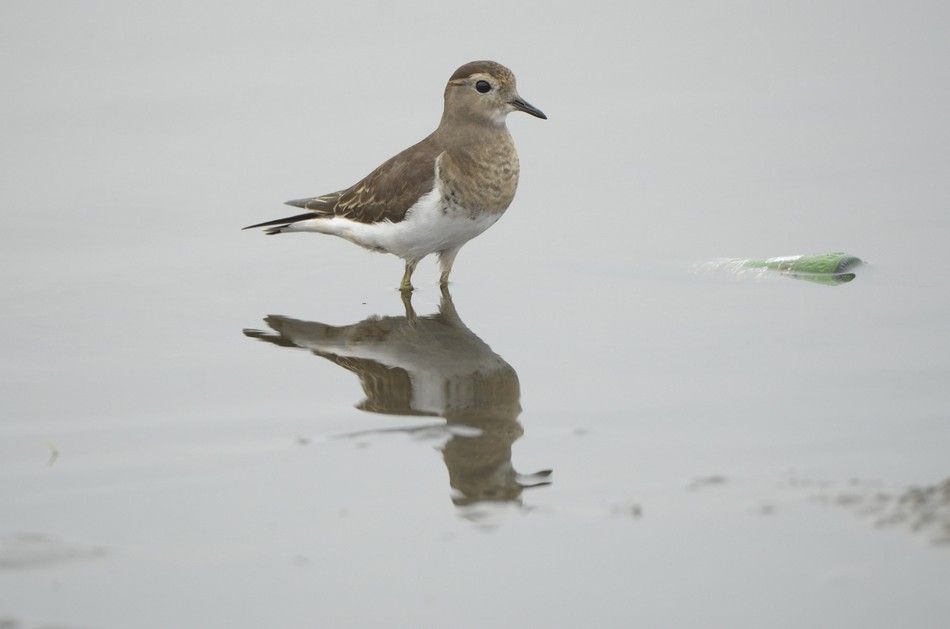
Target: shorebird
(438,194)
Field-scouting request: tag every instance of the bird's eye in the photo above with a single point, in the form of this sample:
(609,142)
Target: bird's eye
(483,86)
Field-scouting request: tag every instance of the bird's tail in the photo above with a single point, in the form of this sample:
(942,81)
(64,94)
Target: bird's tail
(277,225)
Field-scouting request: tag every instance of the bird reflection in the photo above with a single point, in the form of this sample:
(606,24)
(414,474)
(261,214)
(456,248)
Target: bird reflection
(430,366)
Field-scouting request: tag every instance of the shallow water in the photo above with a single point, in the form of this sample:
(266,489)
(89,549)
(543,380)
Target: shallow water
(206,427)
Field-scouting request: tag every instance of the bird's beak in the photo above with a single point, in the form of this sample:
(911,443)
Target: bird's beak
(522,105)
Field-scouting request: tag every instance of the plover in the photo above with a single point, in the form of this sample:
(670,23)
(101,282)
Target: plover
(438,194)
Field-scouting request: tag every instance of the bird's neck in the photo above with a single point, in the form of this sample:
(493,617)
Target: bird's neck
(470,133)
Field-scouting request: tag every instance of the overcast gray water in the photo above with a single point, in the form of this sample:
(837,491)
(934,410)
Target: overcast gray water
(204,427)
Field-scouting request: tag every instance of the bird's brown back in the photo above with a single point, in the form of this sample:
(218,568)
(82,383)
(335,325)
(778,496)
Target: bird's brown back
(388,192)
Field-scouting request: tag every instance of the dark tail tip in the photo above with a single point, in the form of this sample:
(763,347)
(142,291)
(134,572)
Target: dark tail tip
(283,222)
(274,230)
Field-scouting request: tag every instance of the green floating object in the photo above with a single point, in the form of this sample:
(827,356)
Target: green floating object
(829,269)
(836,263)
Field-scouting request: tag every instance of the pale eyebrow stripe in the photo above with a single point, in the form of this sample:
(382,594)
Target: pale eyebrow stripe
(476,75)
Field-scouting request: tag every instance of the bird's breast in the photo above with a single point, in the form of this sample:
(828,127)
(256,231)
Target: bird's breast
(481,179)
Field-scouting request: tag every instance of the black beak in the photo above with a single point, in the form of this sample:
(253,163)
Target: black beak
(522,105)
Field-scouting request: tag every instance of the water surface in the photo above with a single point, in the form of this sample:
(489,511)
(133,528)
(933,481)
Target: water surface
(205,427)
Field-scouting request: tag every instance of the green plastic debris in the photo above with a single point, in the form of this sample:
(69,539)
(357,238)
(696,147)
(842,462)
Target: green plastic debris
(829,269)
(823,263)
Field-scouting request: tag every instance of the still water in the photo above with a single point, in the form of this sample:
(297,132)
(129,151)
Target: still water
(600,424)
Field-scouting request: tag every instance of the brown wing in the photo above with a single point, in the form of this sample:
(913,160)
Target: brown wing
(387,193)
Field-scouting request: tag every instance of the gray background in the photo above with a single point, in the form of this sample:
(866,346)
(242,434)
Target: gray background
(137,139)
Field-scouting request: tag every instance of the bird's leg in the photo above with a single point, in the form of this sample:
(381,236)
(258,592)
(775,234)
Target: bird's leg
(446,260)
(406,285)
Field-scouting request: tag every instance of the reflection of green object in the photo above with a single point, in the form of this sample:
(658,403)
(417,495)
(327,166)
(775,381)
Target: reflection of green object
(833,264)
(828,279)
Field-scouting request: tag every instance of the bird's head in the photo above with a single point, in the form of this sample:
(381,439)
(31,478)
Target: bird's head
(484,92)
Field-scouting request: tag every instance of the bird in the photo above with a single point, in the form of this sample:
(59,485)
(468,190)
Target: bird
(438,194)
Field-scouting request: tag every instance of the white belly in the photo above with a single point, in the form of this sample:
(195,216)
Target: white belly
(430,226)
